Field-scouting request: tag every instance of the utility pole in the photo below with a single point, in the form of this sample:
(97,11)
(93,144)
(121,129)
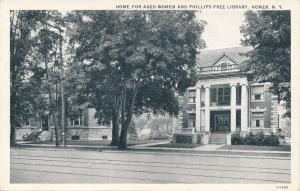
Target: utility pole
(64,142)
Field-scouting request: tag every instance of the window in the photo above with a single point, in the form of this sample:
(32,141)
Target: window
(224,66)
(213,95)
(226,95)
(202,98)
(192,96)
(220,96)
(76,119)
(192,120)
(223,96)
(257,124)
(257,93)
(238,95)
(257,97)
(257,119)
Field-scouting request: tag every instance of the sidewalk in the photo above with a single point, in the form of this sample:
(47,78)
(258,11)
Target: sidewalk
(145,148)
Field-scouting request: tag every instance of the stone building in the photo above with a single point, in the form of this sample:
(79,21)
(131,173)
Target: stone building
(82,125)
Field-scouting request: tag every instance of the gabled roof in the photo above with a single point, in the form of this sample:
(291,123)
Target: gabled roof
(221,56)
(208,57)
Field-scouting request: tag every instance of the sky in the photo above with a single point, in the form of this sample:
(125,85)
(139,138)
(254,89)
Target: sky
(222,29)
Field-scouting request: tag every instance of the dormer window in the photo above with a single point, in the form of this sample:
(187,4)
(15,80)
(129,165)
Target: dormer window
(224,66)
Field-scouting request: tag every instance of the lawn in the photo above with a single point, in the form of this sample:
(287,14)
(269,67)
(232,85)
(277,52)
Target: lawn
(174,145)
(101,142)
(254,147)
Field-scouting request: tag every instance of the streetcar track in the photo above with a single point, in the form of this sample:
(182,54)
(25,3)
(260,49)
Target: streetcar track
(158,166)
(176,174)
(84,174)
(151,162)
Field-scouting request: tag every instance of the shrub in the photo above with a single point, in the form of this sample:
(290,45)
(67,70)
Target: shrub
(249,139)
(75,137)
(237,139)
(184,139)
(259,138)
(271,140)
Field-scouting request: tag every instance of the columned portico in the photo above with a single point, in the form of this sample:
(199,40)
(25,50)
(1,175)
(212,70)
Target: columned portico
(244,110)
(233,107)
(207,111)
(223,101)
(198,109)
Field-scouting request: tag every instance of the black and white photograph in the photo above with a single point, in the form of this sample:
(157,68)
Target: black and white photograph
(189,94)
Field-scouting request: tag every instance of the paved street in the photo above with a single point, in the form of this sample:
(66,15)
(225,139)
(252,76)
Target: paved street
(44,165)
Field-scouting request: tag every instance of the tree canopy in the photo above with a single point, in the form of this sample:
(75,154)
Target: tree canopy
(269,33)
(31,41)
(135,61)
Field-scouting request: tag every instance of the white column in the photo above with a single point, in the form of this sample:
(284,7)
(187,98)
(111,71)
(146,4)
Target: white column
(233,107)
(198,109)
(244,108)
(207,112)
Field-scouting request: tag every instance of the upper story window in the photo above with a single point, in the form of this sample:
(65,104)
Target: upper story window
(76,119)
(192,96)
(213,95)
(192,120)
(238,95)
(257,93)
(220,96)
(224,65)
(202,98)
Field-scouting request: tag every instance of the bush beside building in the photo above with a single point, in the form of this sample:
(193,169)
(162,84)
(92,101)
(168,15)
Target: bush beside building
(258,139)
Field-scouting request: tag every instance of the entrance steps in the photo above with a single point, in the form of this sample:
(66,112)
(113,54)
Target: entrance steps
(37,135)
(218,138)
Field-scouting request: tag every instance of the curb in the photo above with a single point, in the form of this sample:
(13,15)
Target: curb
(207,154)
(162,150)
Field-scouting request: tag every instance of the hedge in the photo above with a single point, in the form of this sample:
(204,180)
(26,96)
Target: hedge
(258,139)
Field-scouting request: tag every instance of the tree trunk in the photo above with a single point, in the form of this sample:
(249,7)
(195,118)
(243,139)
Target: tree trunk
(13,120)
(123,138)
(126,123)
(12,133)
(52,114)
(116,109)
(115,130)
(124,131)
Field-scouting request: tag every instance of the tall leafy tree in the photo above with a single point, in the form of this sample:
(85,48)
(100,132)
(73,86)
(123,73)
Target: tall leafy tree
(24,59)
(22,24)
(136,61)
(269,33)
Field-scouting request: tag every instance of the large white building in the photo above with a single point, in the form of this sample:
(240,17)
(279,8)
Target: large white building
(223,101)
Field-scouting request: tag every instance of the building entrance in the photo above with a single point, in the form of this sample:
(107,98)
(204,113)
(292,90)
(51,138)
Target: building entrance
(222,123)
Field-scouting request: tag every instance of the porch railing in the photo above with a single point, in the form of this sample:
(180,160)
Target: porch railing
(210,70)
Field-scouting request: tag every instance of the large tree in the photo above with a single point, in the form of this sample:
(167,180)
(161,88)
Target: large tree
(135,61)
(25,61)
(269,33)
